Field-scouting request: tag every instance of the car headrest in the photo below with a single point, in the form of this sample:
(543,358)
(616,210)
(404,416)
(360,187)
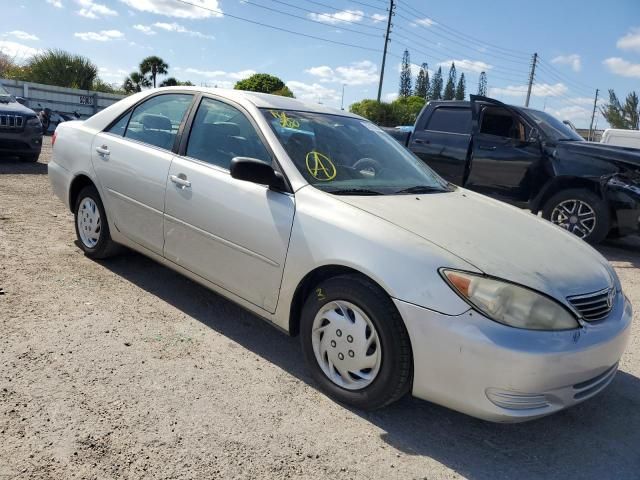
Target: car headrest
(227,128)
(156,122)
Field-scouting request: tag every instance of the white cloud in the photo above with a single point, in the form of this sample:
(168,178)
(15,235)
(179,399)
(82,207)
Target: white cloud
(580,100)
(173,8)
(467,65)
(117,74)
(378,17)
(390,97)
(242,74)
(340,16)
(90,9)
(17,50)
(357,73)
(101,36)
(574,113)
(631,41)
(19,34)
(424,22)
(175,27)
(146,29)
(572,60)
(314,92)
(55,3)
(622,67)
(538,90)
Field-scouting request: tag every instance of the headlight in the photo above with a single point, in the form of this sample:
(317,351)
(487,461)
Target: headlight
(510,304)
(33,122)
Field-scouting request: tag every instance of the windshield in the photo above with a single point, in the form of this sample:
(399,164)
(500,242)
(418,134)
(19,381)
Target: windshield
(349,156)
(553,127)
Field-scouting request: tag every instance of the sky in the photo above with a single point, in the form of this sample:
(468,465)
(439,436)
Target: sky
(337,44)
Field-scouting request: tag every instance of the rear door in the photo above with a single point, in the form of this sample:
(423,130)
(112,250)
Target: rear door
(132,158)
(505,156)
(442,141)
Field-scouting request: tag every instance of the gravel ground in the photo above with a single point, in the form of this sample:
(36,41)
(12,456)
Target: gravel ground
(124,369)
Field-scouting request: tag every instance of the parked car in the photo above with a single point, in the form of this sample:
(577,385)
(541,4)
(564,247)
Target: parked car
(319,222)
(20,129)
(621,138)
(532,160)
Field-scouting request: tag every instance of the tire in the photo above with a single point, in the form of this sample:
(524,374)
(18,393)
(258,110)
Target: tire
(95,242)
(31,158)
(561,208)
(388,377)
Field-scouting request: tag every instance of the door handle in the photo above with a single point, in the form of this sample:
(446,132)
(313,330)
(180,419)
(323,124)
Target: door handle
(423,142)
(180,180)
(486,147)
(103,150)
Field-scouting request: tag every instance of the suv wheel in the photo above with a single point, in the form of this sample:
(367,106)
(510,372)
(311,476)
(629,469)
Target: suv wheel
(355,342)
(580,212)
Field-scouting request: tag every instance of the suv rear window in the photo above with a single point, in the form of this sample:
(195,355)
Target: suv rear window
(450,120)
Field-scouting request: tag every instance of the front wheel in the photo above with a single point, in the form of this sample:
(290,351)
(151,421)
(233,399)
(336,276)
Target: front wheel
(581,212)
(92,228)
(355,342)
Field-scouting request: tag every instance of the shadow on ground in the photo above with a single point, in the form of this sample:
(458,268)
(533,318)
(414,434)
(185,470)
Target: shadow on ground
(597,439)
(13,165)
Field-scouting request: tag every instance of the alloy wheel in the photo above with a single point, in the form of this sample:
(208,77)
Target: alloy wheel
(576,216)
(346,345)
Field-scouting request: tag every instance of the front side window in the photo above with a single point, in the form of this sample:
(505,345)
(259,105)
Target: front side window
(450,120)
(500,122)
(350,156)
(157,120)
(221,132)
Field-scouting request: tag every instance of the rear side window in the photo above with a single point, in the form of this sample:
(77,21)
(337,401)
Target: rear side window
(450,120)
(157,120)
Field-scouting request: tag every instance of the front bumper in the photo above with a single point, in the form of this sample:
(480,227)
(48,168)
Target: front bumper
(25,142)
(502,374)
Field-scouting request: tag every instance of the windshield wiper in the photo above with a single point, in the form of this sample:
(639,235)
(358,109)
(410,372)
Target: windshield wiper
(422,189)
(355,191)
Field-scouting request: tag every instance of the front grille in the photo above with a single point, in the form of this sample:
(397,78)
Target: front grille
(10,122)
(594,306)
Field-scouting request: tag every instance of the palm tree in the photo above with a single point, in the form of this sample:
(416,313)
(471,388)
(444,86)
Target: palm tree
(135,82)
(64,69)
(154,66)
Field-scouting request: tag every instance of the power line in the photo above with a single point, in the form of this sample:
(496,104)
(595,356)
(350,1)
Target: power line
(555,74)
(327,15)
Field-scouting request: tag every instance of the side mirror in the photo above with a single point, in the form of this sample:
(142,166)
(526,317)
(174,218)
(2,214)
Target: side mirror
(534,135)
(256,171)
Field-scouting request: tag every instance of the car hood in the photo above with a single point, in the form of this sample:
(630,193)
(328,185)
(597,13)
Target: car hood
(603,151)
(15,108)
(498,239)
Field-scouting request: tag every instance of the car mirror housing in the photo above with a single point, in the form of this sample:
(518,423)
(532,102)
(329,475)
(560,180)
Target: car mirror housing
(256,171)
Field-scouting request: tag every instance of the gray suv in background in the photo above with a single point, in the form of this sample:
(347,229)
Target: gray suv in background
(20,129)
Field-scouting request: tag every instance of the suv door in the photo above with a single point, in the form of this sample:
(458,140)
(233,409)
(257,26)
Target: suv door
(131,159)
(506,153)
(231,232)
(442,141)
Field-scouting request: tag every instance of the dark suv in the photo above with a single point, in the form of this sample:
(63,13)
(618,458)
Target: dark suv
(20,129)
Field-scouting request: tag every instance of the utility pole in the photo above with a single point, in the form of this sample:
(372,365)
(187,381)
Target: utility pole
(531,77)
(392,7)
(595,102)
(342,99)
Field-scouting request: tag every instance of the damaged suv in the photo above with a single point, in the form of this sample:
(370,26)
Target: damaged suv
(532,160)
(20,129)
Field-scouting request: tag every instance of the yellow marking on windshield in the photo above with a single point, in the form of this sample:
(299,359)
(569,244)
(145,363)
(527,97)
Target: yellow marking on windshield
(320,166)
(285,121)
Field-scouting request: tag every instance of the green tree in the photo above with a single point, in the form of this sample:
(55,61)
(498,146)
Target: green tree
(461,88)
(153,66)
(436,86)
(482,84)
(422,82)
(173,82)
(378,112)
(405,75)
(264,83)
(63,69)
(450,88)
(625,116)
(135,82)
(101,86)
(405,110)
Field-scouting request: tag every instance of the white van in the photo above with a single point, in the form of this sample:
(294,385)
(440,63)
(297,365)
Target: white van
(622,138)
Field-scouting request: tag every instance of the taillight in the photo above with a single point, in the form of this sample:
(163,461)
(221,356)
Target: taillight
(53,139)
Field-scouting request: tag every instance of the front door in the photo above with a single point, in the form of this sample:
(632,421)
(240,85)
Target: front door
(132,160)
(505,154)
(233,233)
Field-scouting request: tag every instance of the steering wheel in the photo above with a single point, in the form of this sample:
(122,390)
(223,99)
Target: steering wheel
(367,167)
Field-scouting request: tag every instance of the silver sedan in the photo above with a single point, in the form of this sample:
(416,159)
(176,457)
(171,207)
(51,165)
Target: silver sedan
(322,224)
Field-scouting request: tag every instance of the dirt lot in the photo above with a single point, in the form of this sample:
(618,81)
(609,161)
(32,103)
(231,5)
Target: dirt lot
(124,369)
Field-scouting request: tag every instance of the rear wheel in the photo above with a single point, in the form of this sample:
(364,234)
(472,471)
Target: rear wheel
(355,342)
(580,212)
(92,228)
